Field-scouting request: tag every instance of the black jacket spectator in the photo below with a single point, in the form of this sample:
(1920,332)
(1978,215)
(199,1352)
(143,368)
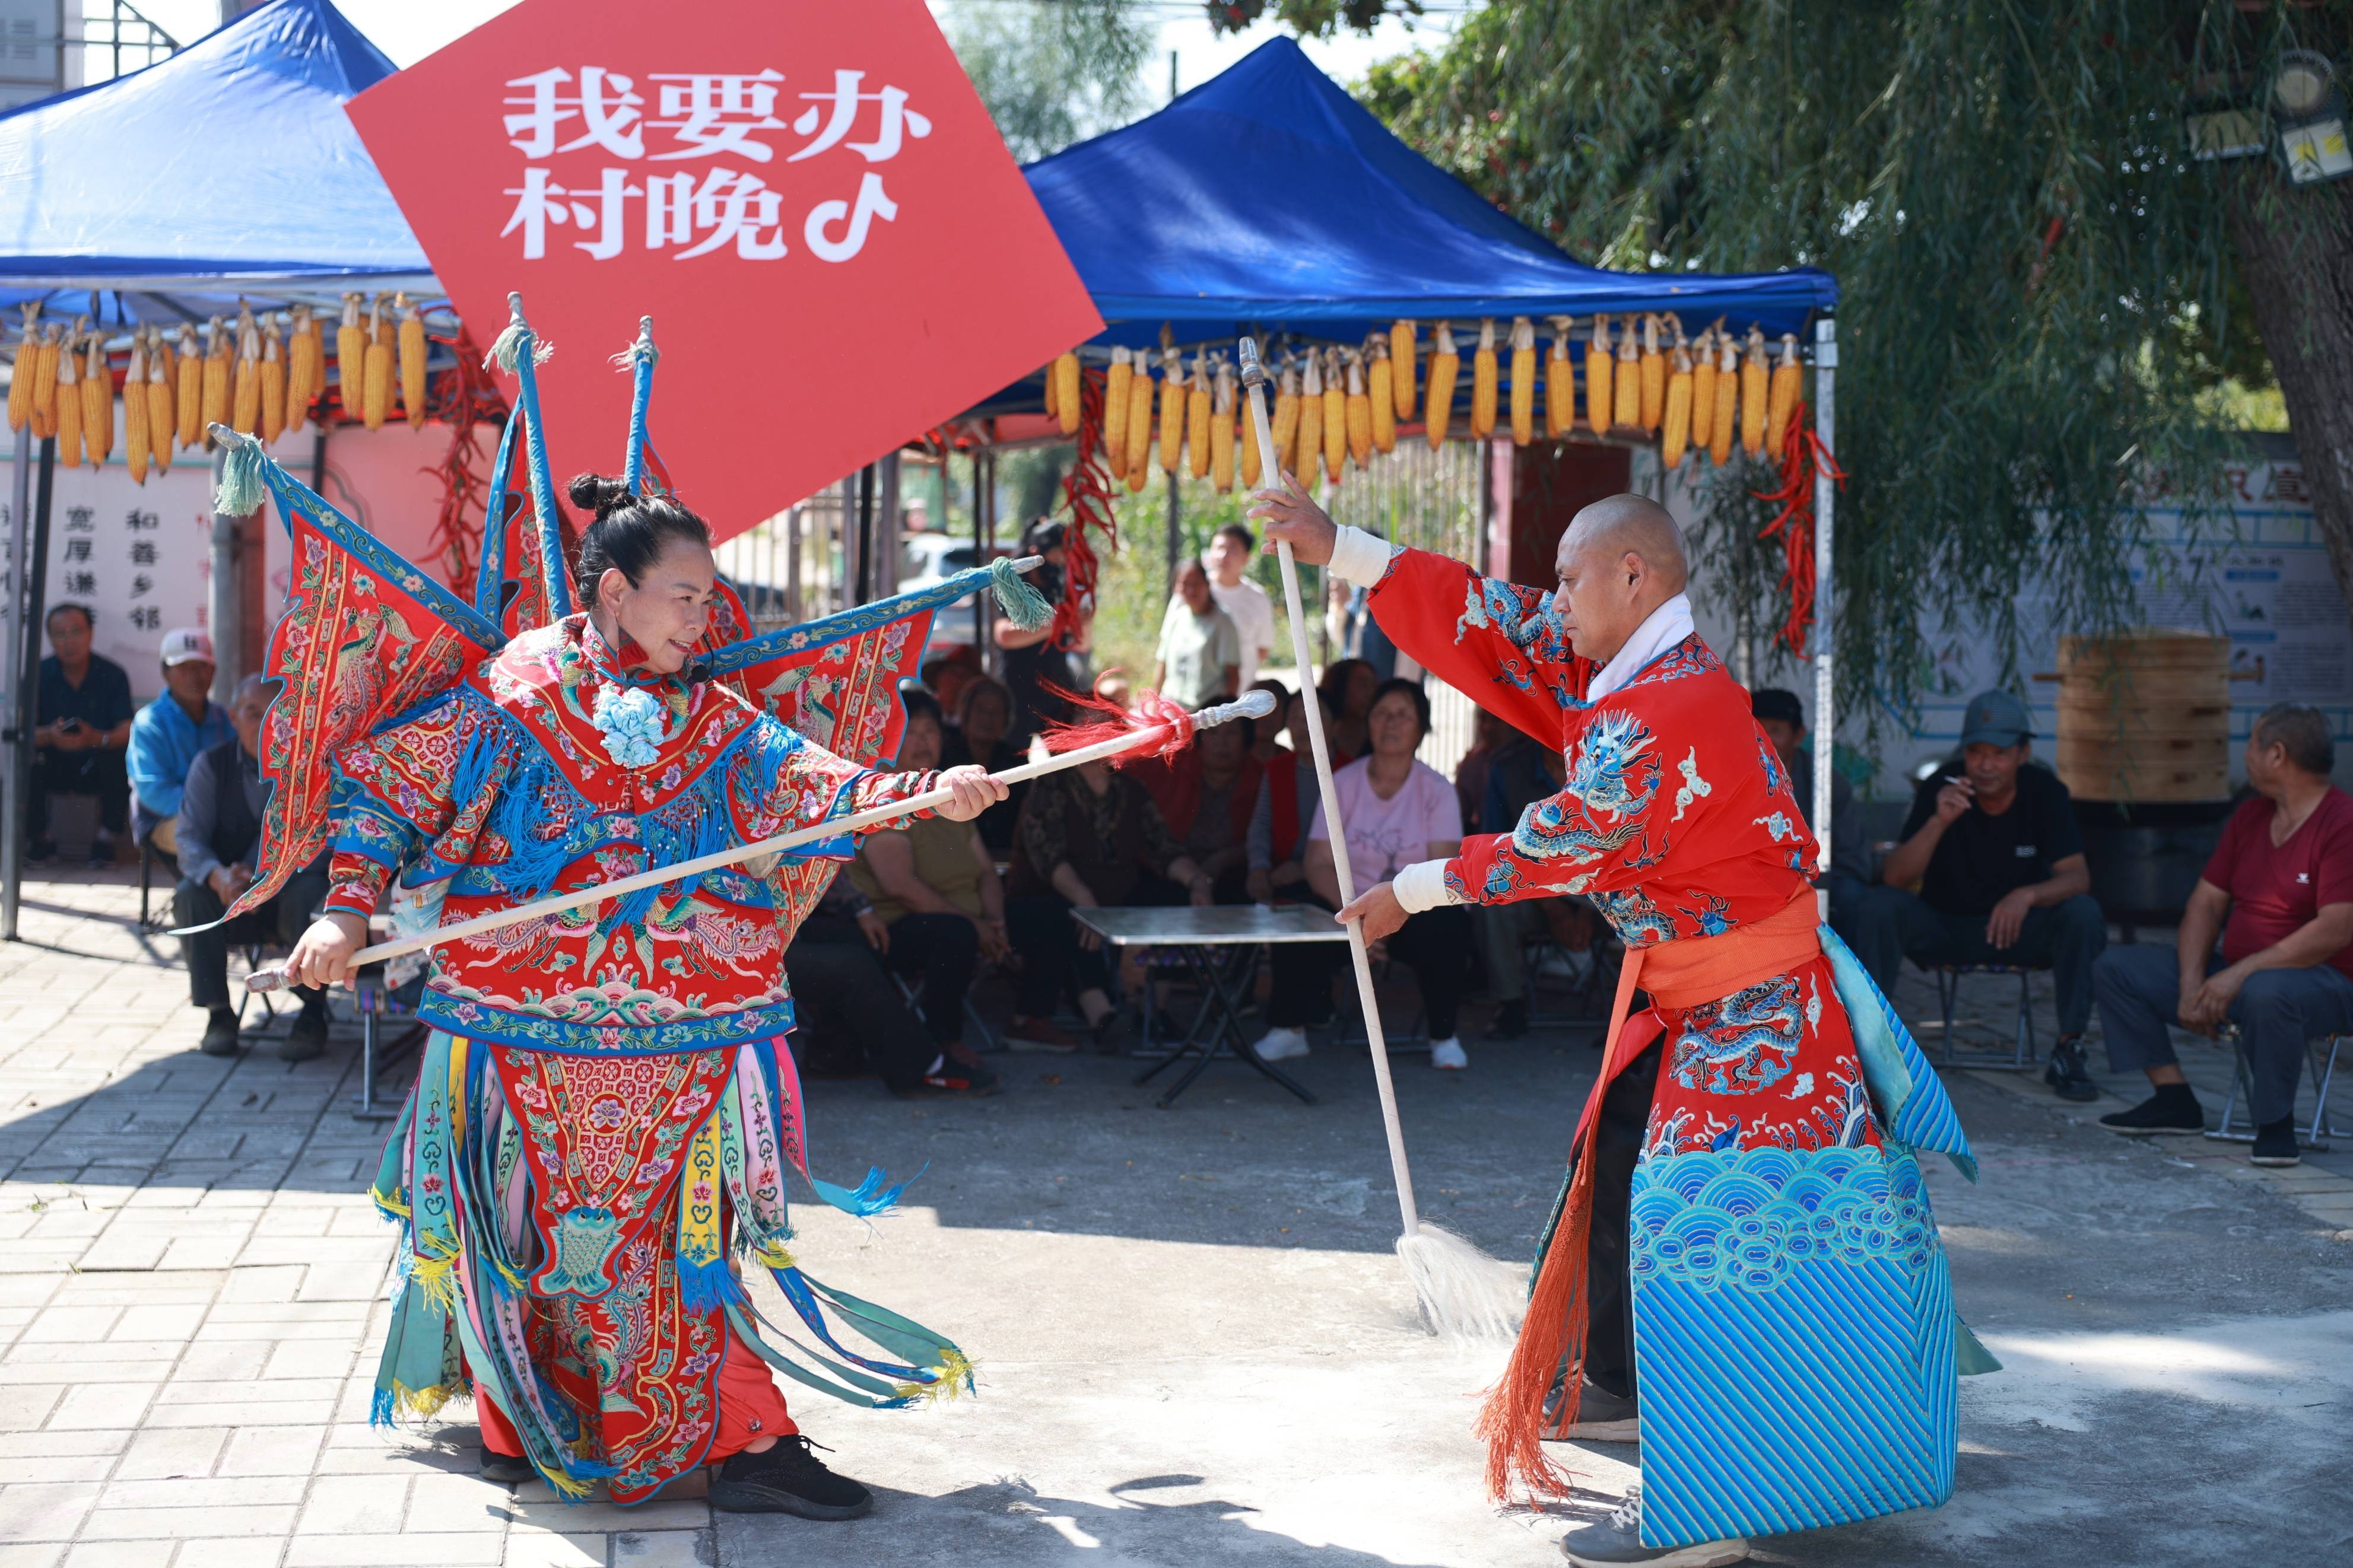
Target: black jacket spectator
(81,734)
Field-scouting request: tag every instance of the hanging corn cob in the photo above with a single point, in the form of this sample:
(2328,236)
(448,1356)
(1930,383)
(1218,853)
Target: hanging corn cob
(1221,428)
(1286,420)
(376,385)
(1726,422)
(1703,416)
(413,390)
(68,396)
(44,382)
(217,350)
(134,409)
(1046,391)
(244,399)
(188,393)
(1524,381)
(1067,405)
(1139,420)
(1626,382)
(351,357)
(26,369)
(1335,415)
(302,384)
(1438,409)
(1380,389)
(1560,384)
(1675,420)
(1483,383)
(1311,420)
(1198,404)
(1115,412)
(1172,409)
(160,412)
(1781,397)
(1654,376)
(97,402)
(1753,395)
(1359,400)
(1402,351)
(273,381)
(1253,460)
(1597,374)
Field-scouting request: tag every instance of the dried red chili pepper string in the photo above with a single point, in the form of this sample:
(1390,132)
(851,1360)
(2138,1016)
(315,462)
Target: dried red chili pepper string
(464,397)
(1086,490)
(1804,459)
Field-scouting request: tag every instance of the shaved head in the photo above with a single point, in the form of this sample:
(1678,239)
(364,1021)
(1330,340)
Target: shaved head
(1631,525)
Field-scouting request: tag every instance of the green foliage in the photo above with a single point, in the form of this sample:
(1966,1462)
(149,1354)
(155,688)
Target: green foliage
(1315,18)
(1053,71)
(2038,310)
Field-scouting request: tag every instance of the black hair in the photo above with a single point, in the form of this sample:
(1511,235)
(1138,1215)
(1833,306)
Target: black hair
(1412,688)
(1238,530)
(2302,731)
(628,530)
(58,609)
(1776,702)
(922,704)
(1334,687)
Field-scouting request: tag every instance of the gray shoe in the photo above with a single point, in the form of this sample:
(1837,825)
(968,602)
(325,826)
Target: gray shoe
(1601,1416)
(1616,1541)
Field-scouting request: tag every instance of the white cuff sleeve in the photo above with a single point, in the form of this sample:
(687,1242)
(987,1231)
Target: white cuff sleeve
(1422,886)
(1359,556)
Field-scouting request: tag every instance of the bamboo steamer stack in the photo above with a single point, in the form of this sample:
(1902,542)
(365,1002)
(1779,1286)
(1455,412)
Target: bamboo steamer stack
(2145,716)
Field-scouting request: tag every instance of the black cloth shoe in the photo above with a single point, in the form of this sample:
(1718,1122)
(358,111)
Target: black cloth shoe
(2173,1109)
(1115,1032)
(789,1478)
(1511,1022)
(2275,1143)
(220,1033)
(2068,1075)
(102,849)
(307,1036)
(506,1469)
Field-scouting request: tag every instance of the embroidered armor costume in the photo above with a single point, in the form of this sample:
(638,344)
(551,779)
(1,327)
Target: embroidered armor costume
(1794,1342)
(603,1119)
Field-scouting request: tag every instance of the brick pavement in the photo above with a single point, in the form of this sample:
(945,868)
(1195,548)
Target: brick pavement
(192,1283)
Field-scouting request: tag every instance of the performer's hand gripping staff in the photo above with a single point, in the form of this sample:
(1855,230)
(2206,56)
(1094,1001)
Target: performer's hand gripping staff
(1464,1293)
(330,952)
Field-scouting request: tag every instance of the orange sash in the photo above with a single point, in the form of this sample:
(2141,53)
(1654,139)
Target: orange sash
(1680,975)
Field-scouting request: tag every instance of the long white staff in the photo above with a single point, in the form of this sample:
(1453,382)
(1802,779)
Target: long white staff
(1254,705)
(1464,1293)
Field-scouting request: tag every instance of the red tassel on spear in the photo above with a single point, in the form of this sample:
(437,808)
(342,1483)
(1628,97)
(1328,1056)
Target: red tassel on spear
(1152,711)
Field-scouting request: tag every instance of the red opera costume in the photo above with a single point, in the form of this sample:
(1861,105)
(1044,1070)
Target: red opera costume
(1793,1335)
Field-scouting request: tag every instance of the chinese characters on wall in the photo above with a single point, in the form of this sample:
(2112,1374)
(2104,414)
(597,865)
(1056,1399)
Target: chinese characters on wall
(689,163)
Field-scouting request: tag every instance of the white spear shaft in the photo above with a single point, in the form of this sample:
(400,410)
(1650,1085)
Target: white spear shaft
(1270,466)
(1255,705)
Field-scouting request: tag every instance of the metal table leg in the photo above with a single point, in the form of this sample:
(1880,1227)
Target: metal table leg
(1225,1034)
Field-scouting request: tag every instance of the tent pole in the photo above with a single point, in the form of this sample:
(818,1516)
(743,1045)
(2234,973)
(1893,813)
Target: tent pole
(31,595)
(1825,624)
(11,648)
(225,610)
(980,531)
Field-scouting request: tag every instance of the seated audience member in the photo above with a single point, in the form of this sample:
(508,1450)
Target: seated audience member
(1521,774)
(167,735)
(1112,686)
(1266,734)
(1346,695)
(1490,736)
(219,833)
(1994,848)
(1783,718)
(847,1009)
(982,718)
(81,730)
(2279,891)
(1089,838)
(946,678)
(1205,794)
(1034,659)
(933,883)
(1245,603)
(1276,848)
(1395,811)
(1200,654)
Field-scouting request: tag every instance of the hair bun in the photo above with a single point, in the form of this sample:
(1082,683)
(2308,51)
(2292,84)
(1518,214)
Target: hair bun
(598,493)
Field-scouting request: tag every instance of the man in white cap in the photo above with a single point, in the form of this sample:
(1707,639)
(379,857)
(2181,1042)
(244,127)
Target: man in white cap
(170,733)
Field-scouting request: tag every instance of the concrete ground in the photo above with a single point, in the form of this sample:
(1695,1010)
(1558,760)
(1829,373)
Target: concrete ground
(1194,1345)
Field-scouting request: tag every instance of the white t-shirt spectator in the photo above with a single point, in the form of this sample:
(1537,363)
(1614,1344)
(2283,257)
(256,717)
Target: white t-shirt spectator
(1197,649)
(1247,605)
(1387,836)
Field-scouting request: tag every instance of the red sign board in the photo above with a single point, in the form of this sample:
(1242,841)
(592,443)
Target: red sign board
(809,200)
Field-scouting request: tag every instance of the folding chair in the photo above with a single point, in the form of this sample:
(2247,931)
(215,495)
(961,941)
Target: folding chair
(2024,1054)
(2323,1066)
(150,859)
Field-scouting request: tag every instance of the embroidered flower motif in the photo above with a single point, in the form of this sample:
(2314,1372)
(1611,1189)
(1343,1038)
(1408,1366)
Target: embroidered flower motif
(632,721)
